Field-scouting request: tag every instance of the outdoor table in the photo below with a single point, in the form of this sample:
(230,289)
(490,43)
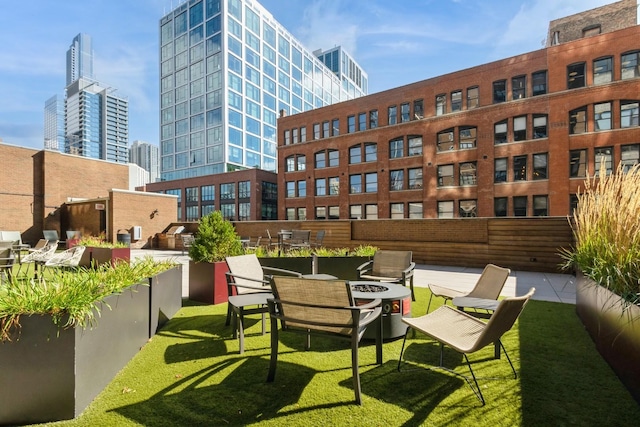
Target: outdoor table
(319,276)
(396,304)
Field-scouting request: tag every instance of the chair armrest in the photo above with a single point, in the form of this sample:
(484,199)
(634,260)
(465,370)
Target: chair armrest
(230,275)
(408,272)
(282,271)
(365,265)
(376,313)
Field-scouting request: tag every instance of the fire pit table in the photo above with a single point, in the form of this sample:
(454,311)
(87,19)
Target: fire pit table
(396,304)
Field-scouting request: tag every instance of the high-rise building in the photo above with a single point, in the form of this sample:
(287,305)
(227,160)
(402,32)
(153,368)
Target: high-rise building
(80,58)
(54,123)
(146,156)
(228,70)
(96,122)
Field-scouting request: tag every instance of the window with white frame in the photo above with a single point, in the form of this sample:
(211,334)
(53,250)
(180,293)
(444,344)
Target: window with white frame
(393,115)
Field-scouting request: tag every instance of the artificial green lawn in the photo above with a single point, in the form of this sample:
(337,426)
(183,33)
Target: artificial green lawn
(191,374)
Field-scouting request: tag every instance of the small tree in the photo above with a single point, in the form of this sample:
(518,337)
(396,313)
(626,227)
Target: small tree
(215,240)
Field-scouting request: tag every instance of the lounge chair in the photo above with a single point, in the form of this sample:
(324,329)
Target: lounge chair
(467,334)
(488,286)
(390,267)
(248,286)
(68,259)
(322,307)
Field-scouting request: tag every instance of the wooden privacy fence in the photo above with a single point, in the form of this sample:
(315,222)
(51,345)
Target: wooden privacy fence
(529,244)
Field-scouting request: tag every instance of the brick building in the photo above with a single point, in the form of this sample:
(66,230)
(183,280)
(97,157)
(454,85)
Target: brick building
(514,137)
(243,195)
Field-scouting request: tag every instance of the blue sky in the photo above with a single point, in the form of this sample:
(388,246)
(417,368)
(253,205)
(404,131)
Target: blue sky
(396,42)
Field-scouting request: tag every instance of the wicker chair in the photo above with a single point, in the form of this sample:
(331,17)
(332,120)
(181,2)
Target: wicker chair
(467,334)
(488,286)
(322,307)
(68,259)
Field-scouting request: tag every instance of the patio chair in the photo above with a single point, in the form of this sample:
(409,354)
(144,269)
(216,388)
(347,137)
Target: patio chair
(248,286)
(319,238)
(488,286)
(322,307)
(187,241)
(299,239)
(390,267)
(467,334)
(273,243)
(69,259)
(6,262)
(38,257)
(253,243)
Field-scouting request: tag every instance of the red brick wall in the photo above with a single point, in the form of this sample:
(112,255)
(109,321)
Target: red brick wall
(17,196)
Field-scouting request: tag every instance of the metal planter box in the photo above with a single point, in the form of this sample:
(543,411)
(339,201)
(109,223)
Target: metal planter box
(165,297)
(208,282)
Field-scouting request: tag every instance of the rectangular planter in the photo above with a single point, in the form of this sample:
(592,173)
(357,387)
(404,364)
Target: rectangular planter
(208,282)
(165,297)
(94,255)
(614,327)
(52,374)
(344,268)
(301,265)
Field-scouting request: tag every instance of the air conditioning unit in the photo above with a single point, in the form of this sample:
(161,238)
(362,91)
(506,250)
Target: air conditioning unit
(137,232)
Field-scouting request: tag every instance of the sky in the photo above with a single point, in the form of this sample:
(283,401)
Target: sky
(395,42)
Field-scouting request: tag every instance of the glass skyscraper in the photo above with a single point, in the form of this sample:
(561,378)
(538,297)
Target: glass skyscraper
(228,69)
(146,156)
(80,58)
(54,123)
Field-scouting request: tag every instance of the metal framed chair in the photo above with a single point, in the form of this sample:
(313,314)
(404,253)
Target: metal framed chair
(6,262)
(467,334)
(391,267)
(322,307)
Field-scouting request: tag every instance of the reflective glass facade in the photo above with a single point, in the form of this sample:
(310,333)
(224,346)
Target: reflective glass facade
(228,70)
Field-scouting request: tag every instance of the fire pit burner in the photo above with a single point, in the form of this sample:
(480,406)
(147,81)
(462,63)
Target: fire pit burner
(370,288)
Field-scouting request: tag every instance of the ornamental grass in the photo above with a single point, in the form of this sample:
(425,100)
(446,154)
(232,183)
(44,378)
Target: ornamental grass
(606,228)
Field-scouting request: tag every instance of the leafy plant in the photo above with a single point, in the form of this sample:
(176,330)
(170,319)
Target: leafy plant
(362,250)
(606,229)
(215,240)
(100,242)
(71,298)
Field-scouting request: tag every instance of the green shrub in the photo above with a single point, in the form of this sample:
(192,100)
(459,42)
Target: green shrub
(215,240)
(606,229)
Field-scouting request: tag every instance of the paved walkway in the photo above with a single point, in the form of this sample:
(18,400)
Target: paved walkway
(549,286)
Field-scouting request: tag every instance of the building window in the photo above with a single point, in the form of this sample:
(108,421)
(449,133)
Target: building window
(290,164)
(207,209)
(302,188)
(370,152)
(244,211)
(192,213)
(456,101)
(321,187)
(415,210)
(500,206)
(520,128)
(362,121)
(520,168)
(415,145)
(630,66)
(244,189)
(301,162)
(575,75)
(191,194)
(351,124)
(321,159)
(445,140)
(578,163)
(467,137)
(499,91)
(415,178)
(468,209)
(316,131)
(468,173)
(573,203)
(335,127)
(445,209)
(371,182)
(441,104)
(397,210)
(355,184)
(500,170)
(208,192)
(321,212)
(355,154)
(539,83)
(393,115)
(540,168)
(500,132)
(540,206)
(371,211)
(334,158)
(519,87)
(291,214)
(603,159)
(303,134)
(629,156)
(334,212)
(228,191)
(591,30)
(539,126)
(325,129)
(628,114)
(396,180)
(578,121)
(294,135)
(334,186)
(373,119)
(473,97)
(228,211)
(602,71)
(445,176)
(418,109)
(355,212)
(404,112)
(396,148)
(520,206)
(602,116)
(287,137)
(291,189)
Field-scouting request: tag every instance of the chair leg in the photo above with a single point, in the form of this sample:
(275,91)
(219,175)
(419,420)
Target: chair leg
(504,350)
(379,340)
(413,295)
(476,390)
(355,369)
(430,298)
(226,323)
(240,325)
(274,350)
(404,341)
